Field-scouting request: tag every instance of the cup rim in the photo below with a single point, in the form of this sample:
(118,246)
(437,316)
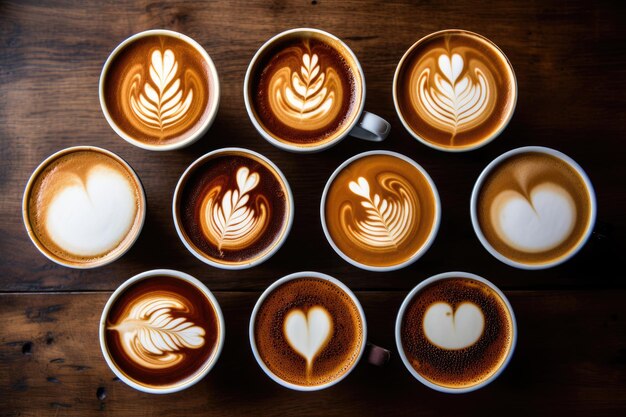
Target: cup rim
(105,260)
(246,264)
(432,145)
(206,367)
(497,161)
(212,105)
(250,108)
(398,331)
(434,228)
(268,291)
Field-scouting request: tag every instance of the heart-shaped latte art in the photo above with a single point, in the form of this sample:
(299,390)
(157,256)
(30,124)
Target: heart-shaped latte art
(452,330)
(537,225)
(92,216)
(308,334)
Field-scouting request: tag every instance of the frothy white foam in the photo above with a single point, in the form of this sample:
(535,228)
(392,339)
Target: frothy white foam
(537,225)
(308,334)
(92,217)
(452,330)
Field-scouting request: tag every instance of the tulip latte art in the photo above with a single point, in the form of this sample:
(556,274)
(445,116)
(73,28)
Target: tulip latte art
(455,89)
(534,208)
(157,89)
(161,331)
(304,90)
(380,210)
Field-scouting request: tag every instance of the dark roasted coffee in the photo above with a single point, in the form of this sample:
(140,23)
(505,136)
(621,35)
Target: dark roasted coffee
(162,332)
(455,90)
(308,331)
(457,332)
(233,208)
(305,89)
(158,89)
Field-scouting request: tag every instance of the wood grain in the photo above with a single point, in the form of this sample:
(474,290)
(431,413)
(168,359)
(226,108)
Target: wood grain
(570,360)
(571,84)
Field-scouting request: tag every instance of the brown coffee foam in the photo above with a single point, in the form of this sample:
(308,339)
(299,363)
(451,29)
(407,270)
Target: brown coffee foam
(284,59)
(342,349)
(343,208)
(66,170)
(219,173)
(460,368)
(129,71)
(522,173)
(478,55)
(198,310)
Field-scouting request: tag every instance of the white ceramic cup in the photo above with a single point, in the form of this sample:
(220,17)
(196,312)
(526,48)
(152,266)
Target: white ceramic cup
(431,237)
(430,144)
(115,254)
(377,355)
(197,253)
(485,173)
(213,102)
(405,305)
(365,125)
(202,371)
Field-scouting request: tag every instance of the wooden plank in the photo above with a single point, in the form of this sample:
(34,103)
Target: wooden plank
(570,360)
(569,73)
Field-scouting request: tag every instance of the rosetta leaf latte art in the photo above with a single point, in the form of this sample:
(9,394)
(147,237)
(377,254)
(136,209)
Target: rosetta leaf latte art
(234,223)
(162,102)
(454,103)
(388,220)
(153,337)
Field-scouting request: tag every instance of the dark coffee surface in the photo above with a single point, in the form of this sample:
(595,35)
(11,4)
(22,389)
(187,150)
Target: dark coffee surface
(455,89)
(457,368)
(157,89)
(161,331)
(305,91)
(233,208)
(344,343)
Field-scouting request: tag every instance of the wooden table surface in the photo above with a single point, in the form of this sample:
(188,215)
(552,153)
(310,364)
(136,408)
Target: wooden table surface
(571,69)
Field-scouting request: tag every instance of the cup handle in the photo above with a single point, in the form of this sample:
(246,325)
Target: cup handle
(371,127)
(376,355)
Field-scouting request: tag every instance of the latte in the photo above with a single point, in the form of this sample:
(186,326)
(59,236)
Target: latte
(159,90)
(233,208)
(456,331)
(455,90)
(161,331)
(380,210)
(84,207)
(305,89)
(533,207)
(308,331)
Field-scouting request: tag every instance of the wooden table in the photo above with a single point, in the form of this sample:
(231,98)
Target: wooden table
(570,66)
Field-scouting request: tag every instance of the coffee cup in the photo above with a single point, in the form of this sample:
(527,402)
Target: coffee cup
(380,211)
(456,332)
(304,91)
(233,208)
(308,332)
(83,207)
(161,331)
(533,207)
(159,90)
(454,90)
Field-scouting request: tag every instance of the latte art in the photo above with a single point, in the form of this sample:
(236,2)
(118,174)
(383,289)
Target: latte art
(308,334)
(235,222)
(153,335)
(453,330)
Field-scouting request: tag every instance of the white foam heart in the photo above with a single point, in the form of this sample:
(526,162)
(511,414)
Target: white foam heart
(308,334)
(453,330)
(92,217)
(537,225)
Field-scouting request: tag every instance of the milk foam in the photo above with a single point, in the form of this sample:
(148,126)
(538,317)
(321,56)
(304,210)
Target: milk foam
(453,330)
(537,225)
(91,217)
(308,334)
